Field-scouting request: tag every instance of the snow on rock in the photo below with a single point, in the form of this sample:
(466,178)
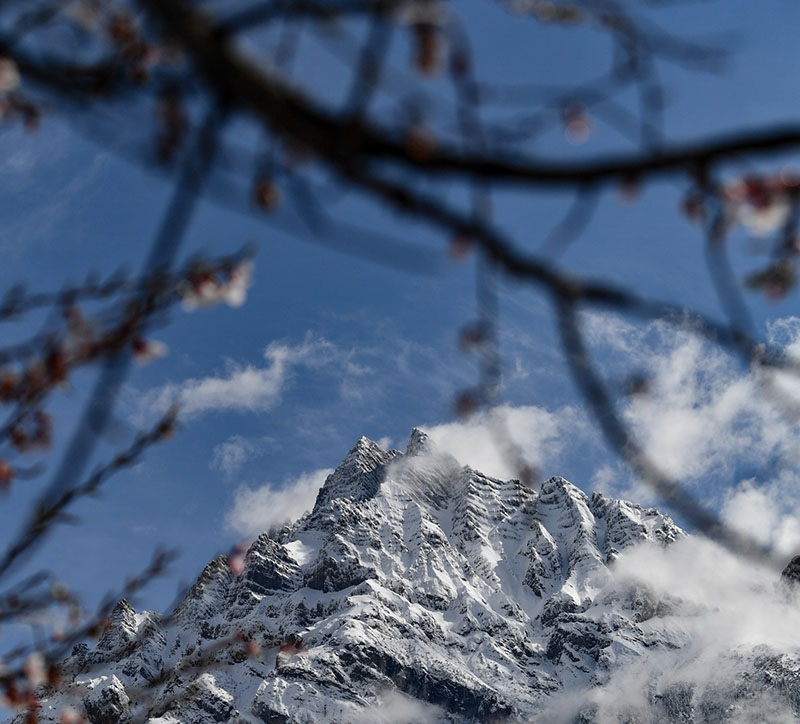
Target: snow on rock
(483,600)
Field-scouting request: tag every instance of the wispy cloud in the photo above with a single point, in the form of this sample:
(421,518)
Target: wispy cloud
(26,161)
(255,510)
(229,456)
(250,388)
(395,707)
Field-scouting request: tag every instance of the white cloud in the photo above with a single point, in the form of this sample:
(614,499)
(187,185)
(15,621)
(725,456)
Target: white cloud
(483,441)
(250,388)
(702,414)
(229,456)
(768,513)
(255,510)
(395,707)
(725,612)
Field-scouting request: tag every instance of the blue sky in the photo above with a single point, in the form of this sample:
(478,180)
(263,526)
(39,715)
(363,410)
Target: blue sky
(332,346)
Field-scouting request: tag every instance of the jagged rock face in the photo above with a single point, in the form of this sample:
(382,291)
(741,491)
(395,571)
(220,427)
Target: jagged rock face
(791,574)
(482,598)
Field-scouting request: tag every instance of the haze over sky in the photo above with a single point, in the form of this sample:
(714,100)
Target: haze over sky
(332,346)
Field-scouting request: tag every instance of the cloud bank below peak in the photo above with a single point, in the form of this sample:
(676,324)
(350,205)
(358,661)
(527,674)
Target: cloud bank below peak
(736,620)
(256,509)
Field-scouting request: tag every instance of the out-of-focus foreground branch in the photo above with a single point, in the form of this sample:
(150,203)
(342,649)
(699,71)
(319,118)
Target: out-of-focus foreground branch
(431,138)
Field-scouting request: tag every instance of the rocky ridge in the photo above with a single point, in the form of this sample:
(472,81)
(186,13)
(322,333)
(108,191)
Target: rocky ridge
(470,598)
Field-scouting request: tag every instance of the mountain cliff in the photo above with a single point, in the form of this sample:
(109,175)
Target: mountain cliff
(419,590)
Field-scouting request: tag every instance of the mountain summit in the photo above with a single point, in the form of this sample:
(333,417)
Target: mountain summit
(415,590)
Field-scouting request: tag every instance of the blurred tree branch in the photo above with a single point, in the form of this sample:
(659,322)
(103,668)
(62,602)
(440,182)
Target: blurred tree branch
(179,70)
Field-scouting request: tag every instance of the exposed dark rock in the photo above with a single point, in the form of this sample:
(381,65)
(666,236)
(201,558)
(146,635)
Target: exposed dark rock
(791,574)
(676,704)
(482,704)
(107,703)
(576,638)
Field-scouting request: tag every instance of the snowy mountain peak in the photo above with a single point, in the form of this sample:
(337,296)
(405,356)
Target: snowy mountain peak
(475,599)
(363,457)
(557,485)
(359,475)
(418,442)
(122,628)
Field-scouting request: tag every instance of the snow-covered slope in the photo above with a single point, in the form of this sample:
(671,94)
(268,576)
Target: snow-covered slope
(416,590)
